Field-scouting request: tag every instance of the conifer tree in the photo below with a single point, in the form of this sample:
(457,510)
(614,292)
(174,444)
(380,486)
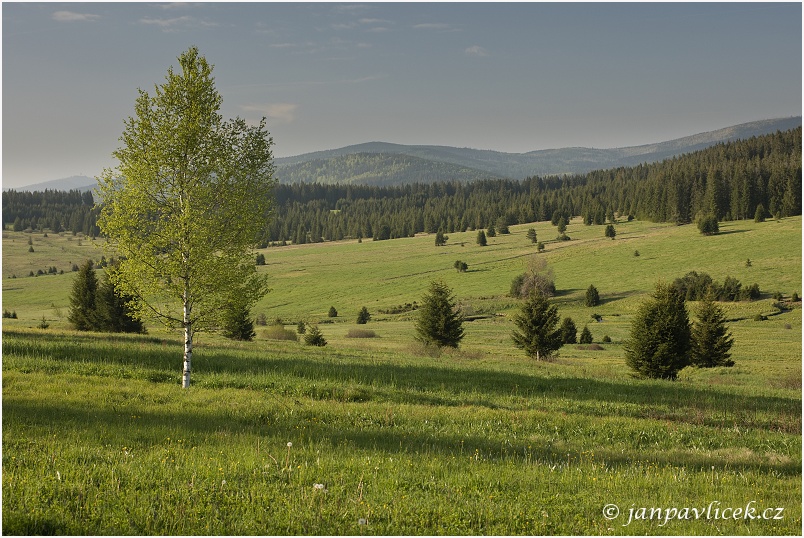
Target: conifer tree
(711,340)
(83,312)
(592,296)
(114,310)
(660,341)
(363,316)
(439,321)
(569,333)
(586,335)
(238,324)
(481,238)
(536,323)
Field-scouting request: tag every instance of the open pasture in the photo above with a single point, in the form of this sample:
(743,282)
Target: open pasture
(99,438)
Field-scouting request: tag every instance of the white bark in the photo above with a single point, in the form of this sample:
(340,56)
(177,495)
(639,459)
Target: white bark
(188,347)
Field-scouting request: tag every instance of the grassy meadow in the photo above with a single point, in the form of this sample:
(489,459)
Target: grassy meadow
(380,436)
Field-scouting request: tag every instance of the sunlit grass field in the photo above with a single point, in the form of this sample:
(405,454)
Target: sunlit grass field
(387,437)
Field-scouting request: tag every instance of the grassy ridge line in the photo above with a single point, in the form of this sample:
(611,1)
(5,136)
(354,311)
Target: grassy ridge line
(415,445)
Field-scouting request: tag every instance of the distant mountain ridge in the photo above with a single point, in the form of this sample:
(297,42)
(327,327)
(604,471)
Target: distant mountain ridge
(383,163)
(517,165)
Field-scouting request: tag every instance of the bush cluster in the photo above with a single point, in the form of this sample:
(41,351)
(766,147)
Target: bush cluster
(697,286)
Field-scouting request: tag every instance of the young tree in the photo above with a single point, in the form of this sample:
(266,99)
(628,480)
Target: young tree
(460,266)
(538,275)
(363,316)
(440,239)
(333,313)
(586,335)
(237,324)
(314,337)
(531,235)
(492,232)
(759,214)
(569,333)
(562,225)
(481,238)
(610,231)
(708,225)
(114,311)
(592,296)
(660,341)
(83,312)
(711,340)
(537,321)
(187,204)
(439,321)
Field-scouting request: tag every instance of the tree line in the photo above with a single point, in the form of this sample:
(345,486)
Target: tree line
(73,211)
(731,181)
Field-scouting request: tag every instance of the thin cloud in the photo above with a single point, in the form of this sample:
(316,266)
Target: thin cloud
(476,50)
(71,16)
(281,113)
(176,23)
(432,26)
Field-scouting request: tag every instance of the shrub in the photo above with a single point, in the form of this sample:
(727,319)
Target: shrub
(260,259)
(563,237)
(708,225)
(315,338)
(262,321)
(460,266)
(586,336)
(606,339)
(278,332)
(361,333)
(538,276)
(636,253)
(301,327)
(332,312)
(794,297)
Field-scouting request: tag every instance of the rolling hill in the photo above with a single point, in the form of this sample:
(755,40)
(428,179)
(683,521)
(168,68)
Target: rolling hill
(382,163)
(332,166)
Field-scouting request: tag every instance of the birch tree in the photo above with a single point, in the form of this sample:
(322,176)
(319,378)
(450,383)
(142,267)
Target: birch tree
(187,204)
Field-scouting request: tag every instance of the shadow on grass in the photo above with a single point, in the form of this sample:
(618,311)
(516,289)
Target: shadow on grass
(202,426)
(300,372)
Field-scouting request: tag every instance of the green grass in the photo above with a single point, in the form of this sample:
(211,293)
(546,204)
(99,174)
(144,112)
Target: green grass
(99,438)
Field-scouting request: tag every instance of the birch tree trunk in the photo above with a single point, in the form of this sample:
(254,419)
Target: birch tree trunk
(188,346)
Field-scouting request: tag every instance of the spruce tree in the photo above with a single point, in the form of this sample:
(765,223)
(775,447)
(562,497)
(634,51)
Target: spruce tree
(536,323)
(363,316)
(711,340)
(610,231)
(586,335)
(660,341)
(83,312)
(481,238)
(439,321)
(569,333)
(114,311)
(592,296)
(238,324)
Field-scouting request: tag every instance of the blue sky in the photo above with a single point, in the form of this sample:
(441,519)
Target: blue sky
(510,77)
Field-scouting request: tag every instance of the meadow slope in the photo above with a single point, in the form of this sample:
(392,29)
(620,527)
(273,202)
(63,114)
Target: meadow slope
(381,436)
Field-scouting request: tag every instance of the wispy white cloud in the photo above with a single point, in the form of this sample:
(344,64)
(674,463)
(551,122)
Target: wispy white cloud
(71,16)
(476,50)
(279,112)
(177,23)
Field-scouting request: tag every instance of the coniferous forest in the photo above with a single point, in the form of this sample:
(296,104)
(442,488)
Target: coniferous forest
(732,181)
